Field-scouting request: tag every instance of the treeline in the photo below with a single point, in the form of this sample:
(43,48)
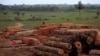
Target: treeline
(47,7)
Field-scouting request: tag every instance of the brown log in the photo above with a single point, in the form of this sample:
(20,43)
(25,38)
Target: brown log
(45,31)
(50,49)
(97,40)
(29,41)
(93,55)
(58,44)
(18,41)
(94,52)
(43,53)
(78,45)
(42,38)
(83,26)
(65,54)
(37,32)
(14,28)
(66,25)
(25,33)
(62,39)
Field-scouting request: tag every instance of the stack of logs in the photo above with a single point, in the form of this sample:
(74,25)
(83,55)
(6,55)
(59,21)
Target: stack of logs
(58,39)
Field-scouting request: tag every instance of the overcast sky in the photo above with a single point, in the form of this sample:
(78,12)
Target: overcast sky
(31,2)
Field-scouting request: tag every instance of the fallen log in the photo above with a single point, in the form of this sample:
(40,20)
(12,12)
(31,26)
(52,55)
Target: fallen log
(29,41)
(62,39)
(42,38)
(94,52)
(42,53)
(58,44)
(50,49)
(93,55)
(97,40)
(25,33)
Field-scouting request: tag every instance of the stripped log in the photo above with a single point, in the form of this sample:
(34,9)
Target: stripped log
(50,49)
(42,53)
(94,52)
(58,44)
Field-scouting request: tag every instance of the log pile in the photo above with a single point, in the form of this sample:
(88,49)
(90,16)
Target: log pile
(65,39)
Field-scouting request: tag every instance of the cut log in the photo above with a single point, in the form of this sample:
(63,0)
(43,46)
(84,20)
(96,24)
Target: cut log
(42,53)
(30,41)
(94,52)
(58,44)
(78,45)
(18,41)
(65,54)
(93,55)
(97,40)
(42,38)
(25,33)
(14,28)
(50,49)
(62,39)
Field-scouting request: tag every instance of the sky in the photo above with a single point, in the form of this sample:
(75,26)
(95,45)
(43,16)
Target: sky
(32,2)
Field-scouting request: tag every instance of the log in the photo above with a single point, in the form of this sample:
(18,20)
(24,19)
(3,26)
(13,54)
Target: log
(37,32)
(66,25)
(93,55)
(65,54)
(94,52)
(60,32)
(50,49)
(78,45)
(42,53)
(18,41)
(97,40)
(58,44)
(14,28)
(25,33)
(45,31)
(30,41)
(42,38)
(62,39)
(83,26)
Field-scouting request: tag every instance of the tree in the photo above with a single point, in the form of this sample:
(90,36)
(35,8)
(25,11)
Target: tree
(79,6)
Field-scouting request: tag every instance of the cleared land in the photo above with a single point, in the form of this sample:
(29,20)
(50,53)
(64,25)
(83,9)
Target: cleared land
(87,17)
